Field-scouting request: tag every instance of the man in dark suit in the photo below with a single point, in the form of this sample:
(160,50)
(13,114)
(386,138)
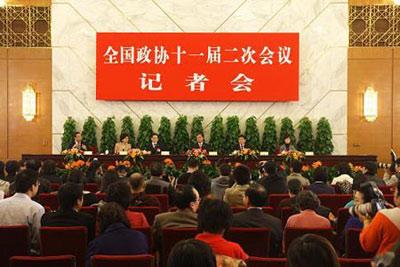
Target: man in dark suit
(200,144)
(320,186)
(241,142)
(70,196)
(154,147)
(254,217)
(273,182)
(77,143)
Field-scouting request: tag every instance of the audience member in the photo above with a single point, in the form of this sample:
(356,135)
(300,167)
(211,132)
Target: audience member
(312,251)
(156,184)
(36,166)
(255,198)
(320,185)
(344,172)
(12,168)
(4,185)
(273,182)
(49,172)
(221,183)
(201,182)
(381,233)
(117,237)
(109,177)
(187,202)
(94,173)
(308,218)
(295,173)
(215,218)
(70,197)
(392,175)
(20,209)
(234,196)
(193,253)
(192,165)
(358,180)
(76,176)
(120,193)
(122,172)
(139,197)
(371,169)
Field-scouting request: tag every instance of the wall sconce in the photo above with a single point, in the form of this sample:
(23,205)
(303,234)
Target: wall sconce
(29,103)
(370,104)
(3,3)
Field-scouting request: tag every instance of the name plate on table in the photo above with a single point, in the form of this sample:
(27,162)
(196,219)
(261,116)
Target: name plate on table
(87,153)
(213,153)
(264,153)
(123,153)
(164,153)
(309,153)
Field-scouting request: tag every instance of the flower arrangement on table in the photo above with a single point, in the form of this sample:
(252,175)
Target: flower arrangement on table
(198,154)
(73,154)
(135,156)
(245,154)
(356,169)
(170,168)
(292,155)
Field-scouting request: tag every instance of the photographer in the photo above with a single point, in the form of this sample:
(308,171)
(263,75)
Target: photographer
(392,174)
(381,233)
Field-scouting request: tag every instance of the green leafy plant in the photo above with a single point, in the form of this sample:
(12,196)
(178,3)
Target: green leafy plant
(232,134)
(323,140)
(181,135)
(269,140)
(89,134)
(252,134)
(127,128)
(287,129)
(108,135)
(69,133)
(164,133)
(145,131)
(306,142)
(217,139)
(197,127)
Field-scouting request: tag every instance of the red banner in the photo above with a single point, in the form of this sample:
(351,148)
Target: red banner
(197,66)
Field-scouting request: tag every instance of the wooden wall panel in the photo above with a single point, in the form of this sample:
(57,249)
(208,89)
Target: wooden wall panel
(396,99)
(3,103)
(370,67)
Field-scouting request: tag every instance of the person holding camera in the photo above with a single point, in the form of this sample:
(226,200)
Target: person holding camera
(382,231)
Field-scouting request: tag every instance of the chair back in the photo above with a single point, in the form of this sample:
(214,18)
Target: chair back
(100,196)
(91,187)
(90,210)
(286,212)
(147,232)
(50,200)
(275,199)
(49,261)
(254,241)
(54,186)
(354,262)
(334,202)
(263,262)
(122,260)
(386,189)
(291,234)
(343,216)
(164,201)
(171,236)
(65,241)
(149,212)
(353,247)
(267,210)
(14,240)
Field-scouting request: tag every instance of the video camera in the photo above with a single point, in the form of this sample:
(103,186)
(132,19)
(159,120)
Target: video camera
(371,208)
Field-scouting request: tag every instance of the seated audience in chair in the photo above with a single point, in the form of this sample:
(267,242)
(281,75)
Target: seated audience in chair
(36,166)
(357,181)
(344,172)
(295,173)
(221,183)
(187,202)
(120,193)
(193,165)
(76,176)
(392,175)
(12,168)
(20,209)
(122,172)
(139,197)
(48,172)
(382,232)
(308,218)
(94,174)
(4,185)
(234,196)
(156,184)
(320,185)
(70,197)
(193,253)
(116,236)
(215,218)
(272,181)
(109,177)
(200,181)
(255,198)
(370,171)
(312,251)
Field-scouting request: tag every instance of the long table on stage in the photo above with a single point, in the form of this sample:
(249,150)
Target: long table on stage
(327,160)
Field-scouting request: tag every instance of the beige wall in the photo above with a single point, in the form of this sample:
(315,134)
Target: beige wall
(18,67)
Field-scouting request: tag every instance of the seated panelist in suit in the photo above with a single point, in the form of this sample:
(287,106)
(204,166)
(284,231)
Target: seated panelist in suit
(287,145)
(77,143)
(154,147)
(200,144)
(123,144)
(241,142)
